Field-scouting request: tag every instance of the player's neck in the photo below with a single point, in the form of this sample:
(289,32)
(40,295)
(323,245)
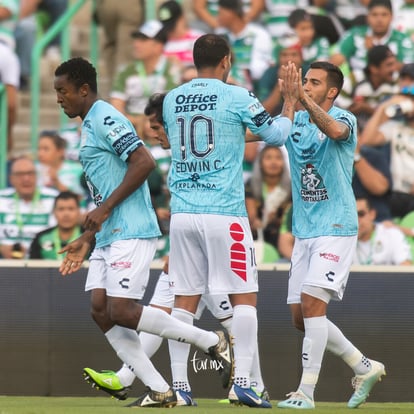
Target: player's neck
(210,73)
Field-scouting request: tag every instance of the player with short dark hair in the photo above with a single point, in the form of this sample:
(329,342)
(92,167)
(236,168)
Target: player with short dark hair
(154,106)
(321,148)
(124,225)
(211,247)
(118,383)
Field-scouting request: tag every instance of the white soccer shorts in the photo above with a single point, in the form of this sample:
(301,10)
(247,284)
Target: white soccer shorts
(322,262)
(122,268)
(211,253)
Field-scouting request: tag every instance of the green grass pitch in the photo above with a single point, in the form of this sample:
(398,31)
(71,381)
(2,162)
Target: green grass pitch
(104,405)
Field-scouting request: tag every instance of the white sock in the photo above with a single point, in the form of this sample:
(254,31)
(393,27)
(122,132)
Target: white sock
(158,322)
(313,348)
(244,331)
(126,376)
(128,347)
(256,379)
(150,344)
(179,352)
(226,324)
(339,345)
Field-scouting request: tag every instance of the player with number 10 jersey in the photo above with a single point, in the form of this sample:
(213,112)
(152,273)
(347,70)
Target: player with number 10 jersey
(206,121)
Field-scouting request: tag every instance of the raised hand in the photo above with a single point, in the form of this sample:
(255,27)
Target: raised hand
(290,87)
(290,83)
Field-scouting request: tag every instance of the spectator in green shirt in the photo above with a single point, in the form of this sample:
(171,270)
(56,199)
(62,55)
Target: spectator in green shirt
(353,46)
(67,212)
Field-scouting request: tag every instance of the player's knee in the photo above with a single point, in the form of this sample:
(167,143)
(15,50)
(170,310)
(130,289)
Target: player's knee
(100,316)
(117,313)
(99,307)
(297,317)
(124,312)
(297,322)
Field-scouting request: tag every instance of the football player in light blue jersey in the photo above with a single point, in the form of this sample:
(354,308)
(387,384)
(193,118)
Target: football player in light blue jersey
(206,121)
(321,149)
(116,165)
(211,245)
(109,144)
(118,383)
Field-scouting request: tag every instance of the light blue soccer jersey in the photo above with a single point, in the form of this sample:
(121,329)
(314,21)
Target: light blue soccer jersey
(107,139)
(321,171)
(206,121)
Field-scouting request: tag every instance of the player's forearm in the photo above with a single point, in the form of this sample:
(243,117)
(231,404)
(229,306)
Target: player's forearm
(278,131)
(288,110)
(328,125)
(88,236)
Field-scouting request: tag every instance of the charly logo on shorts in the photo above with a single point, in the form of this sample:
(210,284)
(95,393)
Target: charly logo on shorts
(124,283)
(205,364)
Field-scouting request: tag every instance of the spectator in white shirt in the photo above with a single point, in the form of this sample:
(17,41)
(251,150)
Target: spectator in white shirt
(379,244)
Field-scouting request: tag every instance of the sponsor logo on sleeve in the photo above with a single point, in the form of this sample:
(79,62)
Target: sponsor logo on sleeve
(261,118)
(124,142)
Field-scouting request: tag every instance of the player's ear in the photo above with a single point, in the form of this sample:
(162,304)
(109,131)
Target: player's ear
(225,62)
(332,92)
(84,90)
